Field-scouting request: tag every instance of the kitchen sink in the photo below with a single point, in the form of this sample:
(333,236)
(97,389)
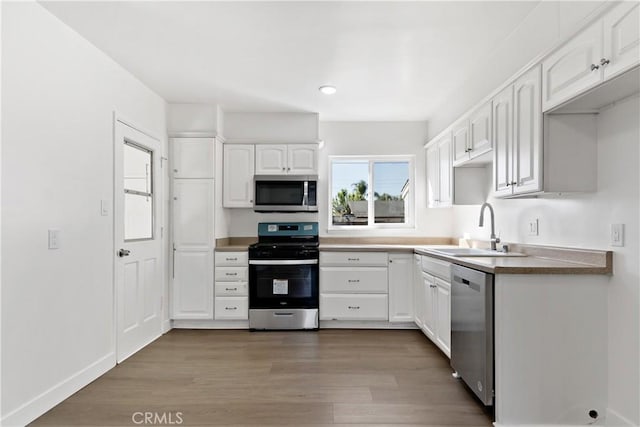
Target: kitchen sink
(476,252)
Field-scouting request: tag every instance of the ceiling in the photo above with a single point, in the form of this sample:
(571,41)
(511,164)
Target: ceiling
(388,60)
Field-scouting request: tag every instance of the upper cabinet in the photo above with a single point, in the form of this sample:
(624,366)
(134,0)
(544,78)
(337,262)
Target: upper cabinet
(517,124)
(440,172)
(193,157)
(621,38)
(606,48)
(471,137)
(279,159)
(238,170)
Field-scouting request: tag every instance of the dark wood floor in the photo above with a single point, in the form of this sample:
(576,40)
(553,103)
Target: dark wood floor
(330,377)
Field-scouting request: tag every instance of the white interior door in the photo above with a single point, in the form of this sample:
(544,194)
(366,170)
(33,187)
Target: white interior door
(138,245)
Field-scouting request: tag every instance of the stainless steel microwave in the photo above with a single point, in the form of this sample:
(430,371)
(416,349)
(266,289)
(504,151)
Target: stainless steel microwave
(285,193)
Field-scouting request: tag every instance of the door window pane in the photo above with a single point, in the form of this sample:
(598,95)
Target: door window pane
(349,193)
(390,190)
(138,192)
(138,217)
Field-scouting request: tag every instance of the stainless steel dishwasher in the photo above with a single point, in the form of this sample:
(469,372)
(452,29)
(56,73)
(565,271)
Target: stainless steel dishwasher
(472,330)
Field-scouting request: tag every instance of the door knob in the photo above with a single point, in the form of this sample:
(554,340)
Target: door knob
(123,253)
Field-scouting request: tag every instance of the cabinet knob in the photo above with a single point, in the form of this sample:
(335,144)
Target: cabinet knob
(288,169)
(175,171)
(604,61)
(514,183)
(594,67)
(508,184)
(283,169)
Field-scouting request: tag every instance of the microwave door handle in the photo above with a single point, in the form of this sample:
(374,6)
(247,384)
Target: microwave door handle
(305,196)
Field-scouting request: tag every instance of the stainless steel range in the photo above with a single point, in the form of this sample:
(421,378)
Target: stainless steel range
(283,276)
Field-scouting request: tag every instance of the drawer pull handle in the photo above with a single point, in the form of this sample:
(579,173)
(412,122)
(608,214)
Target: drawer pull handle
(231,308)
(353,259)
(231,274)
(231,259)
(432,286)
(354,307)
(353,281)
(230,289)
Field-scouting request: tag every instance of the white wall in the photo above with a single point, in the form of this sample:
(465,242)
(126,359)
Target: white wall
(584,221)
(549,23)
(58,97)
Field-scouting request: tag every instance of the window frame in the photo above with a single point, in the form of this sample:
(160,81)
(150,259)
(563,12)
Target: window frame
(371,160)
(149,194)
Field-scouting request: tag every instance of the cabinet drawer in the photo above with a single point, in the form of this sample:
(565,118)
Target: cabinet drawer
(353,307)
(231,259)
(354,258)
(232,308)
(353,280)
(231,289)
(231,274)
(436,267)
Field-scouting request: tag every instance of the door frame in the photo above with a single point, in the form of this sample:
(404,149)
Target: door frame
(162,213)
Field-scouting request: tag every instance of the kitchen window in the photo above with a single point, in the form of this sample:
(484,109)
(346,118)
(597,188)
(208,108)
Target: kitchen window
(371,192)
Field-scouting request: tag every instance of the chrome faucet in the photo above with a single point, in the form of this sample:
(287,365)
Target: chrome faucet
(494,239)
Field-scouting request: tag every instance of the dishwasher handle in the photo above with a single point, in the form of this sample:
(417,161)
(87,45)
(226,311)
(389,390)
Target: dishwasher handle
(466,282)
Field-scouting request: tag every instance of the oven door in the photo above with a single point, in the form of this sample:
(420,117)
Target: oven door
(283,283)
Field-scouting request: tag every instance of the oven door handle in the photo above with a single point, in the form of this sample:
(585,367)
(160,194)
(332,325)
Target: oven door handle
(283,262)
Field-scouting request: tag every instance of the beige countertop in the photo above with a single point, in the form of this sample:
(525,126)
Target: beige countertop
(539,259)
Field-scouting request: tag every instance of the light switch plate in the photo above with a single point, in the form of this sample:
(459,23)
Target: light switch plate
(54,238)
(617,234)
(533,227)
(105,207)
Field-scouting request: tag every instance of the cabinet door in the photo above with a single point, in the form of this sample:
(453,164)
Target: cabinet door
(418,291)
(527,133)
(573,68)
(400,288)
(271,159)
(433,176)
(621,38)
(445,159)
(302,159)
(192,285)
(193,157)
(429,315)
(238,176)
(442,293)
(460,141)
(502,141)
(480,131)
(193,214)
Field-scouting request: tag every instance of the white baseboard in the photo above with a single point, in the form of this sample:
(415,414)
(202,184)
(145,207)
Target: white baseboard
(614,419)
(355,324)
(166,326)
(40,404)
(211,324)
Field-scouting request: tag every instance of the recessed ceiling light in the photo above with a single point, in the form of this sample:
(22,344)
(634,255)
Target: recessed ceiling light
(327,89)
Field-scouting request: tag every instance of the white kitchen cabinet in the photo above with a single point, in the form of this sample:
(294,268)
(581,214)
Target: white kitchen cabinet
(353,307)
(231,285)
(436,302)
(606,48)
(293,159)
(238,171)
(192,285)
(418,292)
(621,38)
(503,141)
(442,327)
(460,141)
(354,286)
(480,131)
(193,214)
(440,172)
(573,68)
(193,157)
(400,287)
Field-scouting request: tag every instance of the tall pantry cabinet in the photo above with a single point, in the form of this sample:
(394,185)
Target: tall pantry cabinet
(192,259)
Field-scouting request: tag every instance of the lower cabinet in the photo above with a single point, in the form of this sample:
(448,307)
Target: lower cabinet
(433,301)
(400,287)
(192,285)
(354,286)
(232,286)
(418,292)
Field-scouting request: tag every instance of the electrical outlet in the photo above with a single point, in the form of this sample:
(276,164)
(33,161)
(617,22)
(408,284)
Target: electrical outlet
(533,227)
(617,234)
